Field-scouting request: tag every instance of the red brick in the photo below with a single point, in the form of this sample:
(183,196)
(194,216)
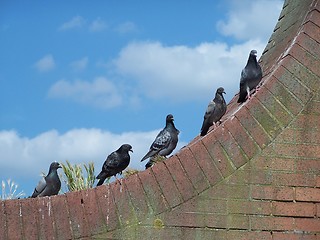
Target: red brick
(194,172)
(12,210)
(293,84)
(182,182)
(272,223)
(206,163)
(192,219)
(204,205)
(46,218)
(30,223)
(247,235)
(249,123)
(307,43)
(304,75)
(293,179)
(272,193)
(167,185)
(251,176)
(306,122)
(93,212)
(278,110)
(308,166)
(293,236)
(237,221)
(312,108)
(137,196)
(265,119)
(283,95)
(242,137)
(293,209)
(79,224)
(312,30)
(231,147)
(318,209)
(273,163)
(122,200)
(219,156)
(249,207)
(300,136)
(308,194)
(155,197)
(307,224)
(3,225)
(306,58)
(61,217)
(296,150)
(224,191)
(108,207)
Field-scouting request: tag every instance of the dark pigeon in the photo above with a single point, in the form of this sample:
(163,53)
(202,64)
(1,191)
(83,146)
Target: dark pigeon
(215,110)
(49,185)
(165,142)
(115,163)
(251,76)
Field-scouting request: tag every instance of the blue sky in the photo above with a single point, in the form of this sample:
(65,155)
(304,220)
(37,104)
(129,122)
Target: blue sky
(80,78)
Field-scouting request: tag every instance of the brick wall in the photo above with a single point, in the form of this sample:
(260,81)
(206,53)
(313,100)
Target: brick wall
(257,176)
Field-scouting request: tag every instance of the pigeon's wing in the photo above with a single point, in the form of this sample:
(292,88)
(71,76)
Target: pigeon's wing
(207,119)
(113,161)
(162,141)
(39,188)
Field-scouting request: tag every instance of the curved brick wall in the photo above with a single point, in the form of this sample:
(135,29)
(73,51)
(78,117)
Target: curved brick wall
(257,176)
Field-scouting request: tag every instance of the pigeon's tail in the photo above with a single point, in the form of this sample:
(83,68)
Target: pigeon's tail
(205,128)
(149,154)
(242,94)
(149,164)
(102,176)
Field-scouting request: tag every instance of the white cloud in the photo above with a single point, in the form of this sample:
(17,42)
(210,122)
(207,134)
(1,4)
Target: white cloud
(249,19)
(183,73)
(100,93)
(77,146)
(126,27)
(98,25)
(80,64)
(45,64)
(75,22)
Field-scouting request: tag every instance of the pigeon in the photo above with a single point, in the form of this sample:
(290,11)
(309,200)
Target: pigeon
(251,76)
(165,142)
(49,185)
(217,107)
(115,163)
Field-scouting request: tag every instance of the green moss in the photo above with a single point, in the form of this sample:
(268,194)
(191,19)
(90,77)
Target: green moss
(158,224)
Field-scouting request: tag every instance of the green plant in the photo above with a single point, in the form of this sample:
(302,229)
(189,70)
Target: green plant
(129,171)
(75,179)
(12,193)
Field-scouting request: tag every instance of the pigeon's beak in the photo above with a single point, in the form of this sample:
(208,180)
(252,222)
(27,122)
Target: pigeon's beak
(131,150)
(224,92)
(59,166)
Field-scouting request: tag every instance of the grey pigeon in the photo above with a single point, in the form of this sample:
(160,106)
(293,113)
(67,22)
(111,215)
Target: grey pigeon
(49,185)
(251,76)
(165,142)
(215,110)
(115,163)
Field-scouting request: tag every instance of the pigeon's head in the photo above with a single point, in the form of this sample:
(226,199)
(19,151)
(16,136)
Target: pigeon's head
(253,52)
(54,166)
(126,147)
(220,91)
(169,118)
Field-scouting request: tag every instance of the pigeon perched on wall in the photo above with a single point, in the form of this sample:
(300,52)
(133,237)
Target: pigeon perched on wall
(251,76)
(115,163)
(49,185)
(165,142)
(215,110)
